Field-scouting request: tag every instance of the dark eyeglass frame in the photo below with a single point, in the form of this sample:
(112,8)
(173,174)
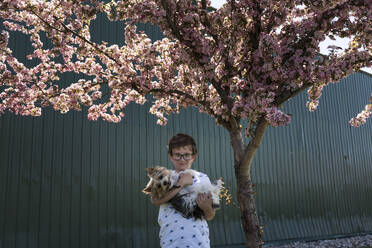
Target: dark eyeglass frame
(180,156)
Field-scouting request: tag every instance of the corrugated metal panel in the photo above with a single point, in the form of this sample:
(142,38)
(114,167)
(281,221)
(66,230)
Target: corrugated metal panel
(69,182)
(313,175)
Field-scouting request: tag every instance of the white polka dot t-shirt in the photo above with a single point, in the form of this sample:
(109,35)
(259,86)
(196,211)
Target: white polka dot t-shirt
(179,232)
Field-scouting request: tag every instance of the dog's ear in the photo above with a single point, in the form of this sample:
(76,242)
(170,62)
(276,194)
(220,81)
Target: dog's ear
(150,171)
(148,189)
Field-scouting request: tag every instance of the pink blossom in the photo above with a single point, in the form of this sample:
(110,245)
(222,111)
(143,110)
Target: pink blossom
(215,60)
(361,118)
(276,117)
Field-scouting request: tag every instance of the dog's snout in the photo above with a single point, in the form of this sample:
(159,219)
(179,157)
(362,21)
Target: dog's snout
(165,183)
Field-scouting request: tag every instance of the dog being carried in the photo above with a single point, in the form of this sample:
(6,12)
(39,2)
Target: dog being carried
(162,180)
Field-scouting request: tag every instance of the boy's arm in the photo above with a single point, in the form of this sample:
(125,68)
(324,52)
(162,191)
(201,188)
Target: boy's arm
(209,213)
(169,195)
(183,181)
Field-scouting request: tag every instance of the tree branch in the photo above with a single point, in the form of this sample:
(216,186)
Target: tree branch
(196,55)
(252,147)
(286,95)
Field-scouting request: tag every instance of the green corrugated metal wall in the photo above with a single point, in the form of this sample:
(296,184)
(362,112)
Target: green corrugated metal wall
(314,176)
(69,182)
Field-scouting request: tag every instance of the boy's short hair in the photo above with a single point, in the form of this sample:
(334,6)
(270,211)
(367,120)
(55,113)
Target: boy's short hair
(181,140)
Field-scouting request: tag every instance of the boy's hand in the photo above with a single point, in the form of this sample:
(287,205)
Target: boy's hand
(185,179)
(204,201)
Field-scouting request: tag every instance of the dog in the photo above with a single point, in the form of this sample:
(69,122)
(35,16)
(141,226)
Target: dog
(163,180)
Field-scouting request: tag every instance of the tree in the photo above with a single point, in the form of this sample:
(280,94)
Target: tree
(238,64)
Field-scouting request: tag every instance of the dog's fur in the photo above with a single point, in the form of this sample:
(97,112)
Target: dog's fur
(162,180)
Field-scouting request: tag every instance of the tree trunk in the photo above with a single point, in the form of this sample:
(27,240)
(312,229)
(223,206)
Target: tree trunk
(243,156)
(247,205)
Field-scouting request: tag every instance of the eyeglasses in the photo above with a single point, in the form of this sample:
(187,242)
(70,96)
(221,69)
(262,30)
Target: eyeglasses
(186,156)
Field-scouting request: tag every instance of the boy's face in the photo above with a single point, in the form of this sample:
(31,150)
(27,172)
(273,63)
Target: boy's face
(182,164)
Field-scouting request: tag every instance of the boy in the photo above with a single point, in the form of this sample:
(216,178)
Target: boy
(175,230)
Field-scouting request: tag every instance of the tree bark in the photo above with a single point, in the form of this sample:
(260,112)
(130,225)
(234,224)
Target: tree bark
(251,226)
(243,157)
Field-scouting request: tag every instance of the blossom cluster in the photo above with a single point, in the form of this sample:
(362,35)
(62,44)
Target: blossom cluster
(361,118)
(241,61)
